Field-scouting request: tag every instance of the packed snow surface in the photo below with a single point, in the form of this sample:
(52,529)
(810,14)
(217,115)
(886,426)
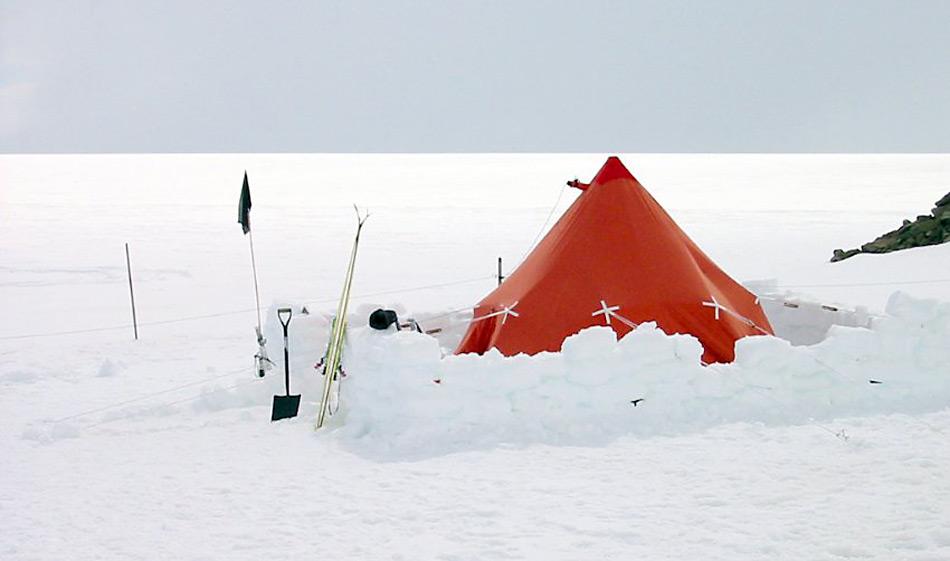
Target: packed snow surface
(161,448)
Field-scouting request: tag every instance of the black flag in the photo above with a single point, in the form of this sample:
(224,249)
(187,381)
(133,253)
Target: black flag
(244,207)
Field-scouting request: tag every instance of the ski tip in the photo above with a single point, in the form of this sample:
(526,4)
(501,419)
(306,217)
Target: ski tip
(360,217)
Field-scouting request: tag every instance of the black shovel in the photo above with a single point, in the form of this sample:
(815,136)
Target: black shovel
(285,406)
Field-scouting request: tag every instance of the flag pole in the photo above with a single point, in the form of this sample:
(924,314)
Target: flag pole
(257,291)
(244,218)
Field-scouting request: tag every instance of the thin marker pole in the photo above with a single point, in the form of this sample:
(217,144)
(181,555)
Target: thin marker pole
(257,292)
(128,266)
(500,276)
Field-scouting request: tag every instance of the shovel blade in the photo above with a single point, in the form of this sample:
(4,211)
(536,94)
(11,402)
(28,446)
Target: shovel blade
(285,407)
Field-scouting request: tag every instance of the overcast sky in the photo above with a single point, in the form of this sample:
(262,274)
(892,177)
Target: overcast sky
(584,76)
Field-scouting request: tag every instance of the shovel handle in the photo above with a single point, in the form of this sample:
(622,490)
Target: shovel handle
(280,317)
(281,312)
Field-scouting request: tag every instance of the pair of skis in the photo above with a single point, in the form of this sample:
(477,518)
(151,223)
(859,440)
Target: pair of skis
(331,364)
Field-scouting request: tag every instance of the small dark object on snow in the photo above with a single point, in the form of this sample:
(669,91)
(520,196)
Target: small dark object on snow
(381,319)
(875,382)
(636,402)
(285,406)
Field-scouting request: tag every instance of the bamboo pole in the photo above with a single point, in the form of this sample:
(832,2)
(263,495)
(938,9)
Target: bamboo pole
(128,266)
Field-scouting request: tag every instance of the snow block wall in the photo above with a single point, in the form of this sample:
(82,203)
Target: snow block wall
(401,398)
(801,320)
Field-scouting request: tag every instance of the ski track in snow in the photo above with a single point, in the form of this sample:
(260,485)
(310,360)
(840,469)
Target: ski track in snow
(198,472)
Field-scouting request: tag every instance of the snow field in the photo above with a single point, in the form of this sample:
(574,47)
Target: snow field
(206,488)
(161,449)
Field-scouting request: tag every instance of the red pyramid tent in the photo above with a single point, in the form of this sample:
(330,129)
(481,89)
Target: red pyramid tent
(614,258)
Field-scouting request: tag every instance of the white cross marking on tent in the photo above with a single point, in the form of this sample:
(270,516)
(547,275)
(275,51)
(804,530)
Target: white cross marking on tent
(504,311)
(606,310)
(508,311)
(716,306)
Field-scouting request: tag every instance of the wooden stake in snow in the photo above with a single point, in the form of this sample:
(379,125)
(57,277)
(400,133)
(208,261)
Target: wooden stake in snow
(128,266)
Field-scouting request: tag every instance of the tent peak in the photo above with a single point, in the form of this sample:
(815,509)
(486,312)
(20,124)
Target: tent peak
(612,169)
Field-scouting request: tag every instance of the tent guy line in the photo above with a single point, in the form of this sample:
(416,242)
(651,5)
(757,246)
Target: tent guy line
(387,292)
(236,312)
(547,221)
(717,307)
(504,311)
(176,402)
(611,312)
(147,396)
(857,284)
(840,434)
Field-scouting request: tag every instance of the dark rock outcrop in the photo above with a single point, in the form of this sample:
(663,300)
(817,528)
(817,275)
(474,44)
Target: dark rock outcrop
(931,229)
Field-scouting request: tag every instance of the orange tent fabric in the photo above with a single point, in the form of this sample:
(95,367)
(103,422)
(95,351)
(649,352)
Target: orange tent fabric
(614,258)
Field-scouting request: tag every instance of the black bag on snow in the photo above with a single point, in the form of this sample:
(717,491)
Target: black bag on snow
(381,319)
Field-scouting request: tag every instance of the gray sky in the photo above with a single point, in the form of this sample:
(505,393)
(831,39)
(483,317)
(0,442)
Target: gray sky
(352,76)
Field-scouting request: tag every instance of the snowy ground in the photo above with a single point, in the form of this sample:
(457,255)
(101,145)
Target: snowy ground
(190,468)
